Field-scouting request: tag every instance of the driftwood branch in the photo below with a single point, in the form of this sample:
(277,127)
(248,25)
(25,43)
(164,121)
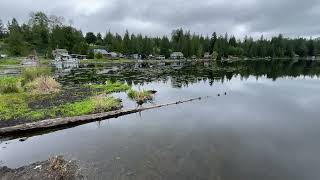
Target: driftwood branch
(69,121)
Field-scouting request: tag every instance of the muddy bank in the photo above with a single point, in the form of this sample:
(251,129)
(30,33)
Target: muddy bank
(52,169)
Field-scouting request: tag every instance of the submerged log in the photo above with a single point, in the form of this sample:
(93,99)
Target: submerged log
(68,121)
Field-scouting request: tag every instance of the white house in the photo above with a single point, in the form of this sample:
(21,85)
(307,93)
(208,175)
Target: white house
(100,51)
(177,55)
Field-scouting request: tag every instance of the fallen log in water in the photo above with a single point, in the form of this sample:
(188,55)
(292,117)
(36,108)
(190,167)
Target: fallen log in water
(60,122)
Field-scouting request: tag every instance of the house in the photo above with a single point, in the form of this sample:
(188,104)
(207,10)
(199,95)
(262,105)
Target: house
(193,57)
(100,51)
(177,55)
(207,55)
(112,55)
(78,56)
(59,52)
(160,57)
(135,56)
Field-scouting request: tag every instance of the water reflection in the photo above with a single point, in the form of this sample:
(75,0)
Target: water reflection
(264,128)
(186,73)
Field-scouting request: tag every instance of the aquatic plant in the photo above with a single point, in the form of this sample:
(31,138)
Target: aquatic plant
(104,103)
(140,96)
(112,87)
(10,85)
(43,85)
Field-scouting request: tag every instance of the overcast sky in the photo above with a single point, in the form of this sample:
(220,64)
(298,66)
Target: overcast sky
(159,17)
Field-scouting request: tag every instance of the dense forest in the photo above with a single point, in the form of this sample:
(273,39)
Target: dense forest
(45,33)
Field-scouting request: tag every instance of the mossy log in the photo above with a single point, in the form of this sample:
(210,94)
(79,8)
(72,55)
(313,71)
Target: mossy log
(69,121)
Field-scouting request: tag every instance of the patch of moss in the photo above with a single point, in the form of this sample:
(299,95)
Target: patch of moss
(112,87)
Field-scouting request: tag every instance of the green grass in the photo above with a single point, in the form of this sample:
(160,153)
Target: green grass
(15,106)
(10,84)
(140,96)
(112,87)
(10,61)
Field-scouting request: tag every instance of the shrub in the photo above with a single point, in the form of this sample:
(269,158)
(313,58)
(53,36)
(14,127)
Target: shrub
(140,96)
(103,103)
(43,85)
(10,85)
(30,74)
(99,56)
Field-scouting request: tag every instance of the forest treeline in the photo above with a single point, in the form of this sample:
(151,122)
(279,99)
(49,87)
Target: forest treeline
(45,33)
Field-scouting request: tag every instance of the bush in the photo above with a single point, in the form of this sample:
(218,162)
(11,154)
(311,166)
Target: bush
(43,85)
(30,74)
(140,96)
(10,85)
(103,103)
(99,56)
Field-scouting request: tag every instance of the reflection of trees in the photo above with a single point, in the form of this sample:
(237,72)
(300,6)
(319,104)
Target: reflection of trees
(184,74)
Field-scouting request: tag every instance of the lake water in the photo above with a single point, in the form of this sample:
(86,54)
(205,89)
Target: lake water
(267,125)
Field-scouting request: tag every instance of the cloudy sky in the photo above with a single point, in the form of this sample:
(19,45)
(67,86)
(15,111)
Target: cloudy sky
(158,17)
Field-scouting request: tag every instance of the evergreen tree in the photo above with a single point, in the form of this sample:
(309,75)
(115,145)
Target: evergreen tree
(91,38)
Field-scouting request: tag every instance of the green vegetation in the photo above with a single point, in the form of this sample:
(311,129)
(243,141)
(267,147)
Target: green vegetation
(10,85)
(95,104)
(15,107)
(17,99)
(140,96)
(111,87)
(9,61)
(44,33)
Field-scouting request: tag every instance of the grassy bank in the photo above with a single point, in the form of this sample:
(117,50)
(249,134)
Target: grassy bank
(35,95)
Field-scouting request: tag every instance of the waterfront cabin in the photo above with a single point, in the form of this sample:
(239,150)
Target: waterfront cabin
(177,55)
(59,52)
(78,56)
(160,57)
(112,55)
(103,52)
(207,55)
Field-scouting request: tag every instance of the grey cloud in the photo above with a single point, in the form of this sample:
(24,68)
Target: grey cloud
(155,17)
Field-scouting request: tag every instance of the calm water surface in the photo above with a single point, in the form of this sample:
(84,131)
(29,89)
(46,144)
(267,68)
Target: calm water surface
(266,127)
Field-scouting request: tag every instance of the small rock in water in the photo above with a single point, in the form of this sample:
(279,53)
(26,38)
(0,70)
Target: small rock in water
(225,93)
(218,94)
(23,139)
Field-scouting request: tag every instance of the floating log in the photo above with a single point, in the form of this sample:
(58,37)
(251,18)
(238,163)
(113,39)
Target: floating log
(69,121)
